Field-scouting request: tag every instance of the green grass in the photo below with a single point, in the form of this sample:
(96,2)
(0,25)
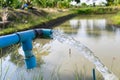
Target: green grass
(32,21)
(116,19)
(113,20)
(97,10)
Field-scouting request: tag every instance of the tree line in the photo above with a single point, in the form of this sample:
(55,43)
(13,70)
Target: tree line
(38,3)
(113,2)
(47,3)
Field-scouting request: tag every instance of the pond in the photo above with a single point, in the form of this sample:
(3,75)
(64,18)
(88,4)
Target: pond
(57,61)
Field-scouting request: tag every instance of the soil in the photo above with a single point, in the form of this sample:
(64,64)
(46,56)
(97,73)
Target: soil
(55,22)
(15,16)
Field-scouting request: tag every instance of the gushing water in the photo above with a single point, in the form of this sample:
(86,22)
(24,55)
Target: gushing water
(86,52)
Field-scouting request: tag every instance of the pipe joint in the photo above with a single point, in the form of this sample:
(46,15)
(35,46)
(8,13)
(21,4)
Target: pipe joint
(30,62)
(43,33)
(30,59)
(26,37)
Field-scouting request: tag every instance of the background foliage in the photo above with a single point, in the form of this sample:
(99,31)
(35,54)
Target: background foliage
(38,3)
(47,3)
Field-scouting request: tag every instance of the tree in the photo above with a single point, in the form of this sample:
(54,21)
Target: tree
(78,1)
(110,2)
(116,2)
(10,3)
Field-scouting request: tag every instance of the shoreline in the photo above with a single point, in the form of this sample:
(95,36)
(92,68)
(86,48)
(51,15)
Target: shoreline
(60,18)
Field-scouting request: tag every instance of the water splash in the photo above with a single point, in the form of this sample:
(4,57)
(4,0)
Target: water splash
(86,52)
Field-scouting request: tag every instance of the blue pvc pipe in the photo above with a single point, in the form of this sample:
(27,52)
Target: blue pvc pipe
(30,59)
(25,35)
(44,33)
(30,62)
(8,40)
(25,38)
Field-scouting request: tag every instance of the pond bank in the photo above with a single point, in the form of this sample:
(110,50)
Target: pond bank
(54,22)
(42,19)
(52,17)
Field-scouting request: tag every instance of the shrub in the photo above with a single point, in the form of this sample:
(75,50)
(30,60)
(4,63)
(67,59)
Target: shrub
(11,3)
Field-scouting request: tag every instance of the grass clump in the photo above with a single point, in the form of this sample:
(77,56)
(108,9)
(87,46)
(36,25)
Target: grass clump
(116,19)
(97,10)
(29,19)
(24,20)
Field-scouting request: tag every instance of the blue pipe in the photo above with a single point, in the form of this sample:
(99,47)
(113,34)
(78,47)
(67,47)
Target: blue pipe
(25,37)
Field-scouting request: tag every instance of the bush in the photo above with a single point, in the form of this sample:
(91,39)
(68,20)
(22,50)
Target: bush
(84,5)
(96,10)
(11,3)
(78,1)
(52,3)
(63,4)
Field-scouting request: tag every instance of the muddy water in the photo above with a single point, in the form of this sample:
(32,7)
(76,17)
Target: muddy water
(101,38)
(57,61)
(65,62)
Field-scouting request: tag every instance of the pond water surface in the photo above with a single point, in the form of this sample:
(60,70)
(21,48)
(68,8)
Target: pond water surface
(57,61)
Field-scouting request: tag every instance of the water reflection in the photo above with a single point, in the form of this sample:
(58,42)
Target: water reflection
(96,34)
(12,62)
(92,27)
(11,54)
(74,24)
